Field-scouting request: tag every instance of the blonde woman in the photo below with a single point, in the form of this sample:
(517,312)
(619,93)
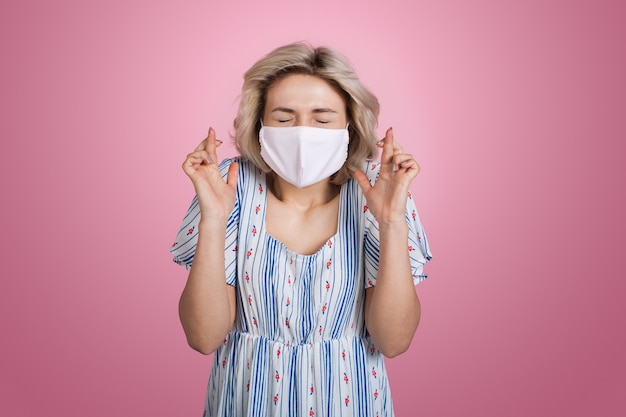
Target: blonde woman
(304,252)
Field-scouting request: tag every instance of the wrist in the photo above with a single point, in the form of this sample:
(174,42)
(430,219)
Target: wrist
(212,224)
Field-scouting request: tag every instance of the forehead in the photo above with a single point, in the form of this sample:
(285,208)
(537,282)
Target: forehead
(304,91)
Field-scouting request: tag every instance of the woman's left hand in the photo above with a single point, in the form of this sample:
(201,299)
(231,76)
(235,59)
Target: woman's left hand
(387,197)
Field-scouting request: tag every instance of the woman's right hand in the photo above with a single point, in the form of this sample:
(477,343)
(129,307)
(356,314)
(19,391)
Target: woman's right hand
(215,197)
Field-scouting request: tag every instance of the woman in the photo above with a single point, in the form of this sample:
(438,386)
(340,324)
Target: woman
(300,279)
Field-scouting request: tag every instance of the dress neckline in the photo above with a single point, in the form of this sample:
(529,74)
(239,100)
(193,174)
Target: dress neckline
(291,252)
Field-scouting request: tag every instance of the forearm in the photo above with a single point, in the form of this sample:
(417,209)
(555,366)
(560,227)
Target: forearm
(207,304)
(392,306)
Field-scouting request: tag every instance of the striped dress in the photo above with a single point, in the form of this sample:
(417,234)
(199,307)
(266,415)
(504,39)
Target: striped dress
(299,345)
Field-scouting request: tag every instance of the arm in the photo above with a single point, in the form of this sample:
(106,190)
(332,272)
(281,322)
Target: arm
(207,304)
(392,308)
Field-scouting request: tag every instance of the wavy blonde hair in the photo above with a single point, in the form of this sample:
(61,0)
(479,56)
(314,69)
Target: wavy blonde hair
(301,58)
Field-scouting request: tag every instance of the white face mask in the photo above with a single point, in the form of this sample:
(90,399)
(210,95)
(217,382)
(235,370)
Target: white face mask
(304,155)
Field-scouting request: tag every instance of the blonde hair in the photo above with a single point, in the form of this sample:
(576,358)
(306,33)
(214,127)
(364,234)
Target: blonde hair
(300,58)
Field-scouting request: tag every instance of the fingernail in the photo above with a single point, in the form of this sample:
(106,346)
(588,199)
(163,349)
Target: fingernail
(380,142)
(219,142)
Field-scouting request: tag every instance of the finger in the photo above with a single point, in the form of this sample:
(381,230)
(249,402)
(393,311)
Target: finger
(191,163)
(199,157)
(212,144)
(405,167)
(405,161)
(201,146)
(410,164)
(387,144)
(362,180)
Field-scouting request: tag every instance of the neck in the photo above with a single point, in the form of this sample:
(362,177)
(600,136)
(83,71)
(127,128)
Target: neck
(302,198)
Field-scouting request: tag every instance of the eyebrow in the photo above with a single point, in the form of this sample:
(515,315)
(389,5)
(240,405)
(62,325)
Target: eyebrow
(291,111)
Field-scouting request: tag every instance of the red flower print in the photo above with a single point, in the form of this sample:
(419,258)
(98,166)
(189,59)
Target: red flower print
(320,330)
(419,237)
(374,372)
(174,244)
(347,400)
(249,253)
(370,283)
(311,390)
(190,231)
(343,355)
(311,412)
(257,209)
(235,248)
(247,277)
(372,350)
(289,280)
(290,260)
(330,243)
(278,353)
(288,302)
(345,377)
(224,363)
(255,322)
(410,248)
(329,263)
(260,189)
(376,394)
(287,322)
(409,194)
(324,308)
(250,299)
(414,214)
(248,386)
(374,166)
(225,340)
(327,285)
(253,230)
(277,376)
(365,208)
(275,399)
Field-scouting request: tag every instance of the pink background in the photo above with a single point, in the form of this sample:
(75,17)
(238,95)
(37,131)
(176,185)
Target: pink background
(514,109)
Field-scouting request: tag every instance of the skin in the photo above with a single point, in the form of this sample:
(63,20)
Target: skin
(392,308)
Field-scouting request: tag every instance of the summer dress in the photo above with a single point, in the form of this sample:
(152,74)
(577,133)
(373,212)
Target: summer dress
(299,345)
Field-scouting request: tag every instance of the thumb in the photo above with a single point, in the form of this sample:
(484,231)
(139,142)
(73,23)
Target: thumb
(233,174)
(362,180)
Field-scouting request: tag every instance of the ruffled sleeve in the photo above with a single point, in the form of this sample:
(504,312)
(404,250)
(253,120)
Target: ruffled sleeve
(417,245)
(184,247)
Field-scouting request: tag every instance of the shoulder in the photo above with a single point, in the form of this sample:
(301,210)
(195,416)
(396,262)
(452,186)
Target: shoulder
(246,167)
(372,170)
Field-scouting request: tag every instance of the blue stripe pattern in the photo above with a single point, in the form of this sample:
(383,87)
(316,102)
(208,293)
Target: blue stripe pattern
(299,346)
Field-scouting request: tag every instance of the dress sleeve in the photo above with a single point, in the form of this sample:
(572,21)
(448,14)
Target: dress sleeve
(184,247)
(417,245)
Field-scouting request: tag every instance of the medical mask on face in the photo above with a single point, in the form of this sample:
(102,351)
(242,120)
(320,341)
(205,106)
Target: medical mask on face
(304,155)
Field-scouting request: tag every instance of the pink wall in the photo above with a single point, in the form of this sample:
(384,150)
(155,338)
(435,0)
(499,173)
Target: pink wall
(516,113)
